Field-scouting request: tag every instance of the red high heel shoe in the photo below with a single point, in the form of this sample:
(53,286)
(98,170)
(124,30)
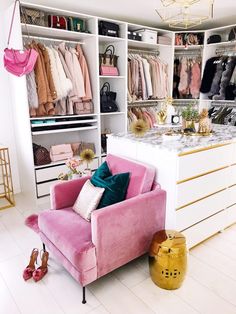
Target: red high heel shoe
(28,271)
(41,271)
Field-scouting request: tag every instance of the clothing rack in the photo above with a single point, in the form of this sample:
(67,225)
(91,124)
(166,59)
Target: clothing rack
(223,104)
(184,102)
(226,50)
(147,52)
(145,103)
(196,53)
(52,39)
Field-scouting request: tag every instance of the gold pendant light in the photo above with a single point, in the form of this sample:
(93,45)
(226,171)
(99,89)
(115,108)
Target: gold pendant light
(182,17)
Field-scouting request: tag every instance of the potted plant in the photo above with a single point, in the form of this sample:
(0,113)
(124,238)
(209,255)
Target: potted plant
(190,116)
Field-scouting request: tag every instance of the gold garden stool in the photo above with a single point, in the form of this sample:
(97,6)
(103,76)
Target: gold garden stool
(6,186)
(168,259)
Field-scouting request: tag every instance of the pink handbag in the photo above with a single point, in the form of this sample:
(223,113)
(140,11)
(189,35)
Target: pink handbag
(60,152)
(109,71)
(18,62)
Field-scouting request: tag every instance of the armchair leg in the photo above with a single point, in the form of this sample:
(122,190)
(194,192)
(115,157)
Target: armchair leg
(44,247)
(83,300)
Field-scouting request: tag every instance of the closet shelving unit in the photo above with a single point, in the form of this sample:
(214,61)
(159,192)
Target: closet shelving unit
(92,43)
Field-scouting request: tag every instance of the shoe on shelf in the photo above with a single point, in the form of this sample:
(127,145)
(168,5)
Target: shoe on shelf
(41,271)
(28,271)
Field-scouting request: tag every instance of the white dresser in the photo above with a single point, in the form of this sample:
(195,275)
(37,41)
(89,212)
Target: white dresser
(198,174)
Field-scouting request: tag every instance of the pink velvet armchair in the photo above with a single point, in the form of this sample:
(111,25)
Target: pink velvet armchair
(116,234)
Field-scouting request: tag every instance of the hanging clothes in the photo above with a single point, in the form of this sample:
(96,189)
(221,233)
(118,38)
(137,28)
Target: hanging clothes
(187,77)
(147,77)
(222,88)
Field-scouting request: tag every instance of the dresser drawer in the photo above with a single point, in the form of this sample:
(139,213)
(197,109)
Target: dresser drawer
(194,164)
(231,215)
(52,172)
(43,189)
(232,196)
(203,186)
(194,213)
(205,229)
(49,173)
(232,177)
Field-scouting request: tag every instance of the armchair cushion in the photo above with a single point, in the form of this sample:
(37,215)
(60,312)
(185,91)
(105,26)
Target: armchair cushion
(141,178)
(71,234)
(88,200)
(115,185)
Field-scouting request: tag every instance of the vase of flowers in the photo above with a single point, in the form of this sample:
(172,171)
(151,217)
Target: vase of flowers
(73,165)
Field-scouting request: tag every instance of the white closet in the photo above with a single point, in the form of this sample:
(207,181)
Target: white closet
(37,180)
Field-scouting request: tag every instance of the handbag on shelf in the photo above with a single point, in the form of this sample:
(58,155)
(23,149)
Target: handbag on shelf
(214,39)
(18,62)
(33,17)
(108,29)
(108,62)
(75,24)
(232,34)
(85,107)
(107,99)
(75,148)
(41,155)
(104,140)
(57,21)
(61,152)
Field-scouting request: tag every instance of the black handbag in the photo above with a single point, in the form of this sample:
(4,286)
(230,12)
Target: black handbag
(214,39)
(232,34)
(107,99)
(108,29)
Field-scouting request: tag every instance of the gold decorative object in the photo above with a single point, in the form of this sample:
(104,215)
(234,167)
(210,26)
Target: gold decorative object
(139,127)
(181,15)
(168,259)
(87,155)
(204,122)
(6,186)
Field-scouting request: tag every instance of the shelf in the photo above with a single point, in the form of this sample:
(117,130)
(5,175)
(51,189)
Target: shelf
(142,44)
(63,123)
(109,39)
(112,113)
(66,116)
(223,43)
(112,77)
(48,32)
(64,130)
(57,163)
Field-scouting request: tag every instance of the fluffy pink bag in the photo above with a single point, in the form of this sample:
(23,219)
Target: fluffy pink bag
(18,62)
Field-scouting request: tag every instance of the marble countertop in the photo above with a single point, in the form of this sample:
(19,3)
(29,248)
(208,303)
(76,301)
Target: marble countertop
(222,134)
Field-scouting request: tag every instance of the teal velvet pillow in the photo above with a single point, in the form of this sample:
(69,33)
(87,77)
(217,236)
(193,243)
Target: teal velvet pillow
(115,185)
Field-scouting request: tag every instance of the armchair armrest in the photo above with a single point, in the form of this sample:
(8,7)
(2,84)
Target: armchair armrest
(64,194)
(123,231)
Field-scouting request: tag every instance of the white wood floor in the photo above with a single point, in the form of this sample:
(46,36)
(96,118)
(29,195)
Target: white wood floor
(209,288)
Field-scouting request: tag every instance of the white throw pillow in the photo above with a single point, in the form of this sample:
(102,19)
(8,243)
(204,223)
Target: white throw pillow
(88,200)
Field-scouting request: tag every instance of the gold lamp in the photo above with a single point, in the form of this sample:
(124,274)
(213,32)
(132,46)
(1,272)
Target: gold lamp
(182,16)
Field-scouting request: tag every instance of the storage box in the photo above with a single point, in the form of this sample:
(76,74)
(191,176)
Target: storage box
(149,36)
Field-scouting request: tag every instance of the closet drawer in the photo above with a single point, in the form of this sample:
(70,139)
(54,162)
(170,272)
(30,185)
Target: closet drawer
(43,189)
(231,215)
(201,162)
(198,188)
(232,177)
(232,196)
(205,229)
(49,173)
(192,214)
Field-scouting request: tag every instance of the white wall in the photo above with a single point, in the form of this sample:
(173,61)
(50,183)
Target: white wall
(7,136)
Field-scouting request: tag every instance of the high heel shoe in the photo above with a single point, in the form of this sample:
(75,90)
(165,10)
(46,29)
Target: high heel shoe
(41,271)
(28,271)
